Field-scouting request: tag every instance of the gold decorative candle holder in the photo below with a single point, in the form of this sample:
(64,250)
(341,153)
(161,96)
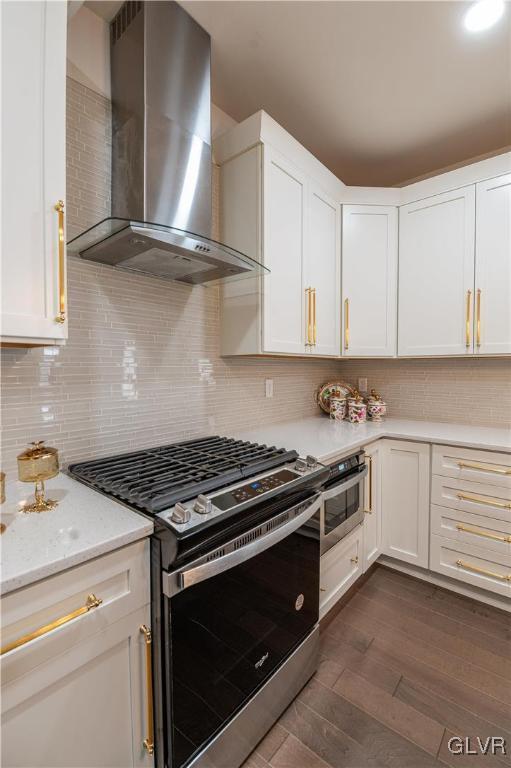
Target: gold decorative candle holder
(35,465)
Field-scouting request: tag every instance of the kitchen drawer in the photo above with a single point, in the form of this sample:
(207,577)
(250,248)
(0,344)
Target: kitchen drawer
(476,498)
(464,527)
(468,464)
(340,567)
(472,565)
(120,580)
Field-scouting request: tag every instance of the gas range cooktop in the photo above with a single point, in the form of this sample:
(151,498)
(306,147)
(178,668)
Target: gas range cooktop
(176,482)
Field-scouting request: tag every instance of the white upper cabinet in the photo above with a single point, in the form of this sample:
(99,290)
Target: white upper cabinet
(322,270)
(369,280)
(33,173)
(284,195)
(280,206)
(436,274)
(492,331)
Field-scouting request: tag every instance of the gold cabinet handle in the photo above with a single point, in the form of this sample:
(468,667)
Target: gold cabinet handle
(346,323)
(369,511)
(354,560)
(91,602)
(149,741)
(308,324)
(322,589)
(478,318)
(467,320)
(61,317)
(484,467)
(314,324)
(486,534)
(482,500)
(476,569)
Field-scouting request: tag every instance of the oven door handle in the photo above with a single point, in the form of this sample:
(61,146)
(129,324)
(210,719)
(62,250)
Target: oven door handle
(346,485)
(179,580)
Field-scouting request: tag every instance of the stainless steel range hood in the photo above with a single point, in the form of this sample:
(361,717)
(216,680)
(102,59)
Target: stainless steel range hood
(161,152)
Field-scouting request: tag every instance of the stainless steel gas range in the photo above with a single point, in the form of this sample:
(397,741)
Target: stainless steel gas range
(235,587)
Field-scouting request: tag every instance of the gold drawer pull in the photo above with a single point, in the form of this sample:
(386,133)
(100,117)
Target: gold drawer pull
(308,323)
(486,534)
(61,317)
(370,483)
(476,569)
(314,324)
(91,602)
(149,742)
(484,467)
(467,323)
(354,560)
(482,500)
(478,318)
(346,323)
(322,589)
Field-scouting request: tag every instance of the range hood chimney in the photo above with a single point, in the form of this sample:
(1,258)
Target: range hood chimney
(161,152)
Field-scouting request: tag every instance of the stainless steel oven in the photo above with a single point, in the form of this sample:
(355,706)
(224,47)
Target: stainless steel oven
(342,507)
(240,635)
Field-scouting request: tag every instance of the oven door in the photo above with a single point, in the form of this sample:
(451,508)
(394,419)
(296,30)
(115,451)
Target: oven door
(233,617)
(342,508)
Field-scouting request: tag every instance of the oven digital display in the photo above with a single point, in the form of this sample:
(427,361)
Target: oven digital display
(251,490)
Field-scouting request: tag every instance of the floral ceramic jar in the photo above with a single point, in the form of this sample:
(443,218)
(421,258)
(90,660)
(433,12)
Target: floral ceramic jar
(376,407)
(357,409)
(337,408)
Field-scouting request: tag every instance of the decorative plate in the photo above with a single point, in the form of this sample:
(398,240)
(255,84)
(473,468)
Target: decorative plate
(332,389)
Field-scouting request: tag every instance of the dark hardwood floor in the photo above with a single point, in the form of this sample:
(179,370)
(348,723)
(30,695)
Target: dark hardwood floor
(405,666)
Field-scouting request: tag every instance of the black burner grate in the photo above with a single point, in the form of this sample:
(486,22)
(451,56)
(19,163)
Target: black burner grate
(157,478)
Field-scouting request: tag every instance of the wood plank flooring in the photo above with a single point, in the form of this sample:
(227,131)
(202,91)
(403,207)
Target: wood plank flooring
(404,667)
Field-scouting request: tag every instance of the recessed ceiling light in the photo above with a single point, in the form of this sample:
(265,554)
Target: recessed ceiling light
(483,14)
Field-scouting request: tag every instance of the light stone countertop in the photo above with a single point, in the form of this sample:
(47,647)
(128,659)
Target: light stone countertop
(85,524)
(326,439)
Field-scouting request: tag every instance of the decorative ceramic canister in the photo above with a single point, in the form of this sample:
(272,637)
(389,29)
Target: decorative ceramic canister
(35,465)
(376,407)
(357,411)
(337,408)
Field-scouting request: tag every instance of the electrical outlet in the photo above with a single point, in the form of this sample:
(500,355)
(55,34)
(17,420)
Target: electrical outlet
(362,385)
(268,387)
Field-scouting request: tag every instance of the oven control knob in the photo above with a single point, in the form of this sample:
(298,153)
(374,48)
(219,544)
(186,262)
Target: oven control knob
(300,465)
(203,505)
(312,462)
(180,514)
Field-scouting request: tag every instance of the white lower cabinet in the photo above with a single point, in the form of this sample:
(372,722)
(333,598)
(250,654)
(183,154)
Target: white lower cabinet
(478,566)
(405,500)
(76,694)
(340,568)
(372,508)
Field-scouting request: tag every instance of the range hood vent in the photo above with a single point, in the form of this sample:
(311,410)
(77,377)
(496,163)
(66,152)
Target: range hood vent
(161,152)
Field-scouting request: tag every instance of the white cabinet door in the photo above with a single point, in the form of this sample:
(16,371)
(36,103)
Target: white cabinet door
(33,172)
(284,204)
(86,706)
(436,274)
(405,501)
(372,509)
(492,332)
(340,567)
(369,280)
(322,270)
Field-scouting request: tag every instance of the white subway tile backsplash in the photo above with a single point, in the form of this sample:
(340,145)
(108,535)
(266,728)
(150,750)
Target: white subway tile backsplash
(142,364)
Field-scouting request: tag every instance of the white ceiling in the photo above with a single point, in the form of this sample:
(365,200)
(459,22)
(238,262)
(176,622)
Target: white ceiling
(380,92)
